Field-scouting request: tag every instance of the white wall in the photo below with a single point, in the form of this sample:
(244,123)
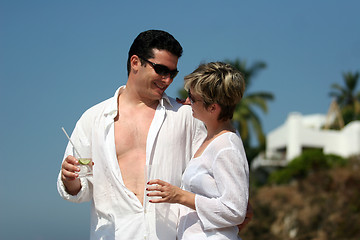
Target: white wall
(299,131)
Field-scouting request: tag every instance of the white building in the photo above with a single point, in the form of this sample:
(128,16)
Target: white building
(301,132)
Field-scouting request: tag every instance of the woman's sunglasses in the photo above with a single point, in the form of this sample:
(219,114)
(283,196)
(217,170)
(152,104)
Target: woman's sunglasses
(191,98)
(161,69)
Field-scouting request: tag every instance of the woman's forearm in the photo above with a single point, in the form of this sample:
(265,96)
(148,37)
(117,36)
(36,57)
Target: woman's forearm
(187,199)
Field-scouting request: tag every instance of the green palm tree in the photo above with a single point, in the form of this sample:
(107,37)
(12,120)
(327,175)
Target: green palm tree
(347,98)
(245,117)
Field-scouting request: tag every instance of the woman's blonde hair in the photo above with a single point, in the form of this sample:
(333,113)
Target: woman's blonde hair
(217,82)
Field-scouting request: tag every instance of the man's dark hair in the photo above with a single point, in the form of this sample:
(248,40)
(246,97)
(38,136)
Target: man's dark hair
(145,42)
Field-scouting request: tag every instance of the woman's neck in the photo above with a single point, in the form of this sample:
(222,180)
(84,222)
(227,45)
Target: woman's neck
(219,128)
(214,130)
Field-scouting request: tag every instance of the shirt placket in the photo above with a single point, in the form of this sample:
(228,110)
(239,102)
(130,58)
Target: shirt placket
(154,129)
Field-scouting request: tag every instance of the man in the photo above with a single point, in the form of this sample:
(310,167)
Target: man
(140,125)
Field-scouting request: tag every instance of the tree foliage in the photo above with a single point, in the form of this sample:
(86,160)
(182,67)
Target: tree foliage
(246,119)
(347,98)
(322,205)
(309,161)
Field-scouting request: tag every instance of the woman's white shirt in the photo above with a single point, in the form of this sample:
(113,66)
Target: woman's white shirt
(220,180)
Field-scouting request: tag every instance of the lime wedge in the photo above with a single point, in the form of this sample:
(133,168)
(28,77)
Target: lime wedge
(84,161)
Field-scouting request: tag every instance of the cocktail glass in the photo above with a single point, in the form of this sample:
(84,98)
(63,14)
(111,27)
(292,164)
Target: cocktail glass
(85,160)
(85,163)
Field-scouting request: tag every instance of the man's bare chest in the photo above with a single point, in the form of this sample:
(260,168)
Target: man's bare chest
(130,144)
(131,133)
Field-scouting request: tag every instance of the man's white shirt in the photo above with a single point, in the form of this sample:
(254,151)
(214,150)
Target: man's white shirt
(116,212)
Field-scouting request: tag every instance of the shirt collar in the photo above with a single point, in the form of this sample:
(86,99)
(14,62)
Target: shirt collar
(112,108)
(166,98)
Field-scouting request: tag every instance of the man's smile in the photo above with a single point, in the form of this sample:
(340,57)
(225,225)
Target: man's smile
(159,86)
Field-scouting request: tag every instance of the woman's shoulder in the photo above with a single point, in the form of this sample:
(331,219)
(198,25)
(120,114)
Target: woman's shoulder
(229,141)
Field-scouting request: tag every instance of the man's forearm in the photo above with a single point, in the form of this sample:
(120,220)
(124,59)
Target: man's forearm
(72,187)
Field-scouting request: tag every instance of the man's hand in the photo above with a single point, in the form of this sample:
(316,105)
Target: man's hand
(248,217)
(69,175)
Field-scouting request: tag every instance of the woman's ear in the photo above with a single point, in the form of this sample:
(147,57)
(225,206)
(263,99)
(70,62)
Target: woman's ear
(214,108)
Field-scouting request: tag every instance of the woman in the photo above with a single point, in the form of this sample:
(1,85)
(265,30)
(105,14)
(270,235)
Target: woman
(215,188)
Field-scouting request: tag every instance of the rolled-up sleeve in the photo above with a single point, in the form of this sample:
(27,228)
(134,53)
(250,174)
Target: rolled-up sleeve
(82,196)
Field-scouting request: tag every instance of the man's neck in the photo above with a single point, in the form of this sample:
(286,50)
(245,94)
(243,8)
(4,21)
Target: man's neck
(135,101)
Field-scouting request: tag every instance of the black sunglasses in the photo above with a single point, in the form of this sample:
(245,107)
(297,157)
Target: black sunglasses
(191,98)
(161,69)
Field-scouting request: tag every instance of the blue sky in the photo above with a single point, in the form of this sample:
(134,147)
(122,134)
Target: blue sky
(57,58)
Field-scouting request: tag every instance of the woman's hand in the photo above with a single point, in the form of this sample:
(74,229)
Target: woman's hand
(169,193)
(166,192)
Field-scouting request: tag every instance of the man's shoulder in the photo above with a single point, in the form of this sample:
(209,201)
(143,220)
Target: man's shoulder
(178,109)
(172,104)
(104,107)
(179,112)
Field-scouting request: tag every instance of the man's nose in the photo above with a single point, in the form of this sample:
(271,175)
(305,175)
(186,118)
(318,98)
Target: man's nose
(167,79)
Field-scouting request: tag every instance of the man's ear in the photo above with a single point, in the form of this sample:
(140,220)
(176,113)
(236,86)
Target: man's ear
(135,63)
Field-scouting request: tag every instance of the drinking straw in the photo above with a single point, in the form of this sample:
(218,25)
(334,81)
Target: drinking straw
(71,141)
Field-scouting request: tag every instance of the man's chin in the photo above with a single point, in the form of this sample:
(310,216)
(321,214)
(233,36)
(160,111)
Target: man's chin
(158,95)
(160,91)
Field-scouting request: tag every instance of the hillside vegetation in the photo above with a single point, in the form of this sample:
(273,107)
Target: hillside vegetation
(317,197)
